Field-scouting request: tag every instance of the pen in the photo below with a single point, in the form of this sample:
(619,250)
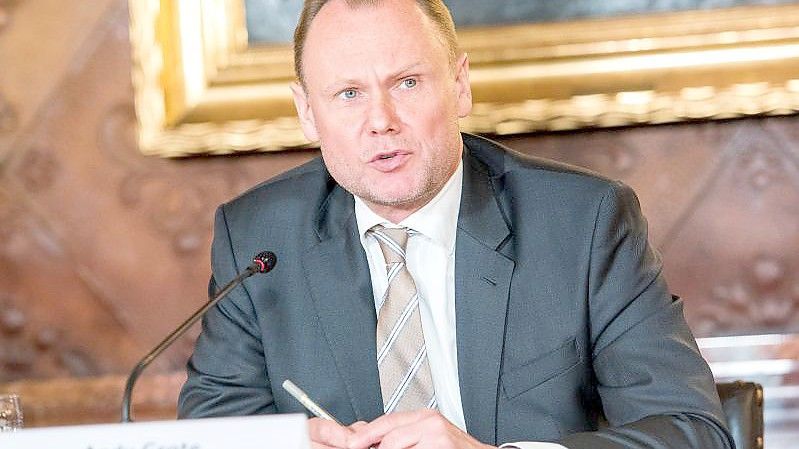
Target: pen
(307,402)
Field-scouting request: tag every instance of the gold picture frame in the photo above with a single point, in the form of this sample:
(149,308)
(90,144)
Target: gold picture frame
(201,89)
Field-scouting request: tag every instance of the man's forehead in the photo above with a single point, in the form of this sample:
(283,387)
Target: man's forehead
(386,37)
(338,18)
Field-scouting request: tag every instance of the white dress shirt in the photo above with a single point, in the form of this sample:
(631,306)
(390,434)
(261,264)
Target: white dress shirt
(430,258)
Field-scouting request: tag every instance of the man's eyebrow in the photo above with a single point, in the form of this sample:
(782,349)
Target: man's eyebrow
(408,68)
(337,85)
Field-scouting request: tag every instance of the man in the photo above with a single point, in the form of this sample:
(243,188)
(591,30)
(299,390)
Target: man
(435,289)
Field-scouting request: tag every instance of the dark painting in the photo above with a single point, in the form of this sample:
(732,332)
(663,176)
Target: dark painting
(273,21)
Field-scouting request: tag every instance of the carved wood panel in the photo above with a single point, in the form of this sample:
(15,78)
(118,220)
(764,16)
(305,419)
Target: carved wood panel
(103,251)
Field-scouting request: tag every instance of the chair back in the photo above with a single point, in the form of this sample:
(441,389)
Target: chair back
(742,402)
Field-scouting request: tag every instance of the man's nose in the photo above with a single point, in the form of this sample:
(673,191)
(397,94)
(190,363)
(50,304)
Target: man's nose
(383,116)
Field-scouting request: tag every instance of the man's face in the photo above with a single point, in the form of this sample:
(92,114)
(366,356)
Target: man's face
(383,98)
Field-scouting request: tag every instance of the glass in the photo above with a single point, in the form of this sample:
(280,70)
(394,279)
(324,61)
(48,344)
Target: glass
(10,413)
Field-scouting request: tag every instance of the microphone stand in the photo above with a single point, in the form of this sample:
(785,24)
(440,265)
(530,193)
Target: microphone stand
(262,263)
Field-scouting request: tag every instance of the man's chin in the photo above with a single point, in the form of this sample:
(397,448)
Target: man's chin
(397,200)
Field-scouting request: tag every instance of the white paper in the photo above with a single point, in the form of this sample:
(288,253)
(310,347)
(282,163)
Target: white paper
(251,432)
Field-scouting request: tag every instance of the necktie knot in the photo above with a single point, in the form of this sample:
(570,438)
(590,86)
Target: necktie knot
(393,242)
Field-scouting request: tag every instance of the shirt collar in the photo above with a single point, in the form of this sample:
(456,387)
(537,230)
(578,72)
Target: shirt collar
(437,220)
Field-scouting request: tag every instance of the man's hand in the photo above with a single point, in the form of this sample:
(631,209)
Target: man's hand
(419,429)
(326,434)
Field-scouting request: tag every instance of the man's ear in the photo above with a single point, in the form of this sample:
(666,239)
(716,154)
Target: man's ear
(463,86)
(304,112)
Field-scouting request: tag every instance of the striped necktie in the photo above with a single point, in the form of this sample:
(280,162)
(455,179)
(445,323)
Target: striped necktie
(405,379)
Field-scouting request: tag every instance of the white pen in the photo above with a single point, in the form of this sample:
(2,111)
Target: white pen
(307,402)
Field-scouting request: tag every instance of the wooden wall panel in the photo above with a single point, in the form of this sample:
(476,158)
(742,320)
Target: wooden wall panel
(39,41)
(102,251)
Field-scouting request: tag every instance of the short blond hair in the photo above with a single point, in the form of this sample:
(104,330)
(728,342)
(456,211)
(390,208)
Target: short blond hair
(436,10)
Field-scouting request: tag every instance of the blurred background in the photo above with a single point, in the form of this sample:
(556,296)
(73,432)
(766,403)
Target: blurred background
(104,250)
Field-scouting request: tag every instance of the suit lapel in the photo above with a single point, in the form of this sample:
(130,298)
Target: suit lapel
(482,285)
(338,274)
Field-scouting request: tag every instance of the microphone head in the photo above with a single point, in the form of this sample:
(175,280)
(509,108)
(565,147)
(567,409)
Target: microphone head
(265,261)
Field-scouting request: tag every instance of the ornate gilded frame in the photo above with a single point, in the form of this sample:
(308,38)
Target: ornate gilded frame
(201,89)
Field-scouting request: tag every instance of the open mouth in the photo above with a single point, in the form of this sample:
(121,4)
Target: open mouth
(388,155)
(389,161)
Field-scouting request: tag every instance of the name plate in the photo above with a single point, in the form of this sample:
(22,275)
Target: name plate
(251,432)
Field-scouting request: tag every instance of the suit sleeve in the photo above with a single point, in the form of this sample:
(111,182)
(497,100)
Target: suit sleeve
(227,372)
(656,390)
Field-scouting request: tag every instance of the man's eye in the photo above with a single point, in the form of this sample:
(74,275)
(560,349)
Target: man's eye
(409,83)
(348,94)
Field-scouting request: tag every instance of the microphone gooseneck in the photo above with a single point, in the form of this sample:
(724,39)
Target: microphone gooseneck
(263,262)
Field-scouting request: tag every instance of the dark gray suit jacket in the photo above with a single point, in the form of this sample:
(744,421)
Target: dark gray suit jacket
(562,313)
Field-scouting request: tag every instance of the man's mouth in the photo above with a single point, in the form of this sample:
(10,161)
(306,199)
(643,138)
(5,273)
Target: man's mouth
(389,161)
(386,155)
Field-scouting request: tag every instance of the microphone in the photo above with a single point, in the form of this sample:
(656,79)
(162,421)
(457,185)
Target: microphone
(263,262)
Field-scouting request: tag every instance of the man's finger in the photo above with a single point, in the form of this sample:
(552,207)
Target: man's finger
(315,445)
(327,433)
(357,425)
(371,433)
(403,436)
